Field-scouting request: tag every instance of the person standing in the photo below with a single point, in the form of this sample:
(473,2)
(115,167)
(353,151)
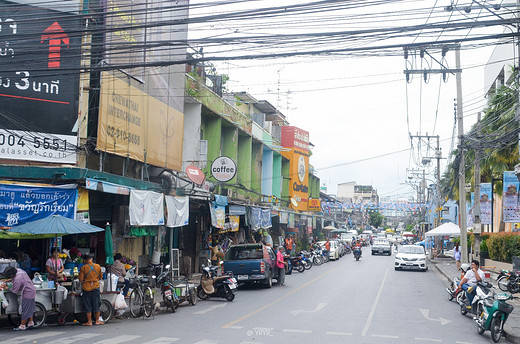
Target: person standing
(89,276)
(22,285)
(288,244)
(457,255)
(55,267)
(280,266)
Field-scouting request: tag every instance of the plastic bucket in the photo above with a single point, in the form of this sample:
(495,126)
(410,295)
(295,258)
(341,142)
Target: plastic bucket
(156,258)
(57,296)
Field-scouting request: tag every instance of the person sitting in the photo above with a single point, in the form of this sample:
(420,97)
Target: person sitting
(470,280)
(119,270)
(55,267)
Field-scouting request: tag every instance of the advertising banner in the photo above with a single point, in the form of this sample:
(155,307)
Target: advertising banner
(20,204)
(178,211)
(510,197)
(314,204)
(469,211)
(39,82)
(266,218)
(486,197)
(146,208)
(298,140)
(135,125)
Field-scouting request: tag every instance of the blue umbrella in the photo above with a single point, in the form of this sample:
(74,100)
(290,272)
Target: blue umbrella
(57,225)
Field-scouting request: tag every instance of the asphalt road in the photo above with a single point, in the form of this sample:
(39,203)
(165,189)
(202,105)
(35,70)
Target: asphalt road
(339,302)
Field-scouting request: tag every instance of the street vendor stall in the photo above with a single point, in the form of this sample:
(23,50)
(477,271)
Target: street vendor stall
(64,297)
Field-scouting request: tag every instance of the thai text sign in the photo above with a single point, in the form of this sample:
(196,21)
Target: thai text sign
(298,140)
(135,125)
(39,83)
(510,197)
(20,204)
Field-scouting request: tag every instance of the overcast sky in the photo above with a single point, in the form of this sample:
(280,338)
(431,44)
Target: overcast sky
(359,111)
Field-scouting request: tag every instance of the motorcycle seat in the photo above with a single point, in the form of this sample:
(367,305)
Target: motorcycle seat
(220,278)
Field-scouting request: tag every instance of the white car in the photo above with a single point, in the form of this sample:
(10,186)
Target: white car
(334,249)
(411,257)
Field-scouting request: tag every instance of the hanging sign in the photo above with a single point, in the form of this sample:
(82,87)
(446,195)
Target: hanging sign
(223,169)
(195,174)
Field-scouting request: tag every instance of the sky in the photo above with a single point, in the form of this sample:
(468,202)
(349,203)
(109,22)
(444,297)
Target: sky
(360,110)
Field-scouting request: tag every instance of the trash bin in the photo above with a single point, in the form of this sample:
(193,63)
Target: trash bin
(57,296)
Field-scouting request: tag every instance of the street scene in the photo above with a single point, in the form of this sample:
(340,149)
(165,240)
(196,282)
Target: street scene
(259,171)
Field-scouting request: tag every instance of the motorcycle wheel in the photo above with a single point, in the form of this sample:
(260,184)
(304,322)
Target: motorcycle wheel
(480,320)
(300,268)
(513,287)
(193,298)
(326,259)
(307,264)
(317,261)
(357,258)
(229,295)
(450,294)
(201,293)
(463,309)
(496,329)
(503,283)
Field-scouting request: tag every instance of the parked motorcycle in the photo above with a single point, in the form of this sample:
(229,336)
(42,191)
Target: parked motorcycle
(482,292)
(357,253)
(509,281)
(306,261)
(211,285)
(169,296)
(454,284)
(297,263)
(316,257)
(492,313)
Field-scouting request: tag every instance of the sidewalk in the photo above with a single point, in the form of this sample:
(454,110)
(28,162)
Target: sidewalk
(448,268)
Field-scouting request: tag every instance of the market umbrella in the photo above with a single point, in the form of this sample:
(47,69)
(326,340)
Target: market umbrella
(329,228)
(109,246)
(341,230)
(57,225)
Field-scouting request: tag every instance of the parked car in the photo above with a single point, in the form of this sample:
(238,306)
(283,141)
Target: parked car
(411,257)
(334,249)
(251,263)
(382,247)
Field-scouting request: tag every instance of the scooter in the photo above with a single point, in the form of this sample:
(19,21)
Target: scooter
(211,285)
(357,253)
(492,314)
(297,263)
(306,261)
(483,291)
(455,283)
(509,281)
(169,296)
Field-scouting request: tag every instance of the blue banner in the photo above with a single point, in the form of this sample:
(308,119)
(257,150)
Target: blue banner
(20,204)
(510,197)
(486,197)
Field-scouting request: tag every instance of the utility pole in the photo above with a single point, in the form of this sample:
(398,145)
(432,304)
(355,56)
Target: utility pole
(476,208)
(462,164)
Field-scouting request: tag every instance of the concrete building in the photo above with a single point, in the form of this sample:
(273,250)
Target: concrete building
(351,192)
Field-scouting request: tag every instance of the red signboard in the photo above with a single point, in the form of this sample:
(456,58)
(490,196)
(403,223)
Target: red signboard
(293,137)
(195,174)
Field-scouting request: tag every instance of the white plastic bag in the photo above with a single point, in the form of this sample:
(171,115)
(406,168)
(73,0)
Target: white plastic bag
(120,303)
(65,291)
(3,300)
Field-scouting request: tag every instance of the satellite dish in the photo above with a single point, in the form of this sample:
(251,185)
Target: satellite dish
(293,201)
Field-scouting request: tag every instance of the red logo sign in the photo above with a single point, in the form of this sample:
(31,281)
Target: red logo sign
(195,174)
(56,36)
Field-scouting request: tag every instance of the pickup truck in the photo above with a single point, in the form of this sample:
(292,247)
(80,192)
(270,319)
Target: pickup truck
(251,263)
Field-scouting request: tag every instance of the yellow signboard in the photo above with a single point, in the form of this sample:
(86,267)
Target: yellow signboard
(136,125)
(314,204)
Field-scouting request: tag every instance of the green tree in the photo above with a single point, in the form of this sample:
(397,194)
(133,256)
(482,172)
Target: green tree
(376,219)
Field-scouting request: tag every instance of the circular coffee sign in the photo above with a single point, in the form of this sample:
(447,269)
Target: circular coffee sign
(223,169)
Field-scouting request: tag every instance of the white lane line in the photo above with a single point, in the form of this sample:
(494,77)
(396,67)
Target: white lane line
(118,339)
(29,338)
(339,333)
(210,308)
(236,327)
(296,331)
(384,336)
(373,310)
(206,341)
(163,340)
(463,342)
(73,339)
(428,339)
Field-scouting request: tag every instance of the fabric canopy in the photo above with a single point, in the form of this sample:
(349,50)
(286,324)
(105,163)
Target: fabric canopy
(57,225)
(445,229)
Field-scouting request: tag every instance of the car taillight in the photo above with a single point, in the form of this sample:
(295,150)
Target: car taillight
(262,267)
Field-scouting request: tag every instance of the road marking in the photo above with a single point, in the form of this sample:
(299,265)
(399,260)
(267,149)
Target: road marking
(73,339)
(206,341)
(210,308)
(339,333)
(31,337)
(426,315)
(428,339)
(463,342)
(296,331)
(384,336)
(373,310)
(236,327)
(319,307)
(275,302)
(163,340)
(118,339)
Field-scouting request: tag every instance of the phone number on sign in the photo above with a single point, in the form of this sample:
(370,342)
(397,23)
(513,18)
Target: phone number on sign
(123,135)
(36,142)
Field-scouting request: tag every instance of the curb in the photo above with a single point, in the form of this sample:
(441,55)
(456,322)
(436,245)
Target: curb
(508,330)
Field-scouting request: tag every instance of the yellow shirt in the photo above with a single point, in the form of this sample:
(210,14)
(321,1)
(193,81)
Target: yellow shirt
(89,276)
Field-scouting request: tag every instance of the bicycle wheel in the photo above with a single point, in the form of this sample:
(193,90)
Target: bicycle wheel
(136,303)
(503,283)
(148,302)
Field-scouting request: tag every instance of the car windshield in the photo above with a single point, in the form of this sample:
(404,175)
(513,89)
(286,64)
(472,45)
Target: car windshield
(411,249)
(239,253)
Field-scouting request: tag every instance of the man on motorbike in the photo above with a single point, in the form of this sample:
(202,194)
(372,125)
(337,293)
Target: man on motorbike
(470,280)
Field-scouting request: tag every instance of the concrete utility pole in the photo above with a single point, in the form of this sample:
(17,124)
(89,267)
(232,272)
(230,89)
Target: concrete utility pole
(476,208)
(462,165)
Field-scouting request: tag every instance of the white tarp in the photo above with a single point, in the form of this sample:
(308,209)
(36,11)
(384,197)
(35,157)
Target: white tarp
(146,208)
(447,228)
(178,209)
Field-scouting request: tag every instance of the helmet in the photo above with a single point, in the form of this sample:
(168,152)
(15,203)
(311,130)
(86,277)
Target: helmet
(465,267)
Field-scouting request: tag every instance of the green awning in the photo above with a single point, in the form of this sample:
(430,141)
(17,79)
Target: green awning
(143,231)
(5,234)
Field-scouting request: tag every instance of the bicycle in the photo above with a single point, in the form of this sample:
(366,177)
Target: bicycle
(141,297)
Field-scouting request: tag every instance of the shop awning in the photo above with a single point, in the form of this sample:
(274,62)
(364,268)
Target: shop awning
(143,231)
